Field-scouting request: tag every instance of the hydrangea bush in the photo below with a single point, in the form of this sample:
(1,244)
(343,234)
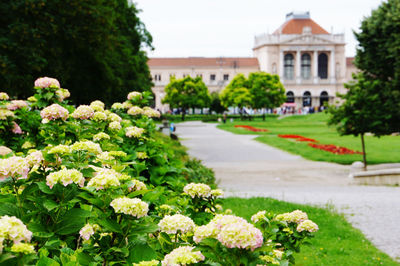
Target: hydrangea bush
(87,185)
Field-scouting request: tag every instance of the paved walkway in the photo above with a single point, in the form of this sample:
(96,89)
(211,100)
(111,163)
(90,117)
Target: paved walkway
(247,168)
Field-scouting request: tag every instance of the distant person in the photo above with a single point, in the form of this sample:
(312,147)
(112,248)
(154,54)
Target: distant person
(224,118)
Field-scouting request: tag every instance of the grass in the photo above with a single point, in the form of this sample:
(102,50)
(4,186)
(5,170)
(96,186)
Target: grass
(378,150)
(336,243)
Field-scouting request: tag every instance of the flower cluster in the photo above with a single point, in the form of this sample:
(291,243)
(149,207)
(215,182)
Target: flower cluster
(16,128)
(34,158)
(13,229)
(4,150)
(53,112)
(307,225)
(47,82)
(197,190)
(135,207)
(97,106)
(182,256)
(150,112)
(135,132)
(135,110)
(105,178)
(23,248)
(60,149)
(115,125)
(217,192)
(4,114)
(114,117)
(136,185)
(16,104)
(105,156)
(15,166)
(63,94)
(334,149)
(127,105)
(65,177)
(118,153)
(141,155)
(231,231)
(134,95)
(86,146)
(250,128)
(117,106)
(296,216)
(83,112)
(99,116)
(176,223)
(4,96)
(100,136)
(259,216)
(88,230)
(297,138)
(147,263)
(28,145)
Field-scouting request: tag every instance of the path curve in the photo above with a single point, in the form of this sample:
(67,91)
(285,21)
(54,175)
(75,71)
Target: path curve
(247,168)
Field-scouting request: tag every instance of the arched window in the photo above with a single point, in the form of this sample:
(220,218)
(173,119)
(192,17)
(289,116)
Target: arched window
(290,97)
(288,66)
(306,99)
(323,66)
(305,66)
(323,98)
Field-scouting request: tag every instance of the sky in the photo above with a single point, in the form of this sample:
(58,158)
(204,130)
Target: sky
(214,28)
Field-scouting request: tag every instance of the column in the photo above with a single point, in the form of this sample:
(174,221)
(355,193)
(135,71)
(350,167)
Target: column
(281,65)
(315,67)
(298,67)
(332,67)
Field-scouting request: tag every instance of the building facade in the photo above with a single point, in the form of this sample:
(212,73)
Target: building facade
(310,61)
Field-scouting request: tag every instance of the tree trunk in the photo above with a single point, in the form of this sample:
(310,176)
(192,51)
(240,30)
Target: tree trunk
(363,151)
(183,114)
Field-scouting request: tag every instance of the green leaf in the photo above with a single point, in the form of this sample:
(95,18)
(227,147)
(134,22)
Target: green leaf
(141,252)
(72,221)
(44,188)
(110,225)
(145,229)
(38,230)
(50,204)
(8,209)
(44,261)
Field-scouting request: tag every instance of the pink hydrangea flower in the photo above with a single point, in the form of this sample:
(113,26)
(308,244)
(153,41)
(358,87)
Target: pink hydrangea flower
(16,129)
(54,112)
(46,82)
(16,104)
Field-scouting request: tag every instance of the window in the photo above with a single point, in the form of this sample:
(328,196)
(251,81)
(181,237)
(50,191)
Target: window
(157,77)
(323,98)
(226,76)
(288,66)
(306,99)
(212,77)
(290,97)
(323,66)
(305,66)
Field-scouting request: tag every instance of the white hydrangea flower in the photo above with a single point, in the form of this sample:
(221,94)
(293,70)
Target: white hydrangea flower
(135,185)
(296,216)
(63,94)
(114,117)
(100,136)
(176,223)
(147,263)
(87,231)
(65,177)
(4,96)
(307,225)
(150,112)
(13,229)
(134,95)
(135,207)
(105,178)
(259,216)
(15,166)
(23,248)
(141,155)
(135,110)
(4,114)
(97,106)
(115,126)
(117,106)
(135,132)
(197,190)
(34,158)
(182,256)
(86,146)
(83,112)
(60,149)
(217,192)
(99,116)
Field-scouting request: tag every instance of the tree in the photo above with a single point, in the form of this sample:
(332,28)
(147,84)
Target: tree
(93,47)
(378,58)
(216,105)
(372,103)
(186,93)
(267,90)
(358,113)
(260,90)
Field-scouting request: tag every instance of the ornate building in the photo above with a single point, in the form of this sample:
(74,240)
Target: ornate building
(310,61)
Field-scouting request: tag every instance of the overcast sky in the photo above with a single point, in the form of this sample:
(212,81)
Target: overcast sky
(214,28)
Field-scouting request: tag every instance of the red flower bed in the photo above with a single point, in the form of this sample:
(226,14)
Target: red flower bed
(254,129)
(297,138)
(333,149)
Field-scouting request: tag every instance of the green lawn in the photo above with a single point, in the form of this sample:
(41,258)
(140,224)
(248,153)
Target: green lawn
(378,150)
(336,243)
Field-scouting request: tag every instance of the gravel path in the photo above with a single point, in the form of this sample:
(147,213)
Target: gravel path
(247,168)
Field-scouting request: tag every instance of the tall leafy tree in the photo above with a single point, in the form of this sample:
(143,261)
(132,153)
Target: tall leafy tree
(93,47)
(187,93)
(372,103)
(216,104)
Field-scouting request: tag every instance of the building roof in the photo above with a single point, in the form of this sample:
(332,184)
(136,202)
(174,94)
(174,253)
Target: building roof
(296,26)
(350,61)
(203,62)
